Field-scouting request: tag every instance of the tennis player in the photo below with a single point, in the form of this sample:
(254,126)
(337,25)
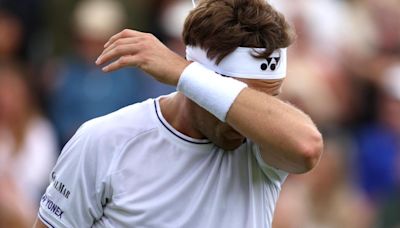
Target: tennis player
(212,155)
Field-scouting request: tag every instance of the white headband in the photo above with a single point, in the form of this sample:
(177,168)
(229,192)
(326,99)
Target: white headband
(194,2)
(241,63)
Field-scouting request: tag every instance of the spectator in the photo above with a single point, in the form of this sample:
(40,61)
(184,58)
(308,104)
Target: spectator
(27,149)
(378,142)
(326,196)
(11,35)
(77,89)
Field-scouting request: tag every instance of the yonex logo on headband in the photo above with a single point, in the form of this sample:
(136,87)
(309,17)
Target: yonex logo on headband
(272,64)
(242,64)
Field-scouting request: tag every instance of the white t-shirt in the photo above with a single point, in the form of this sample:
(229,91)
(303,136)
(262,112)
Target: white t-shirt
(133,169)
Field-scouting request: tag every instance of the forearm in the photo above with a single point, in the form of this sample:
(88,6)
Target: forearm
(288,138)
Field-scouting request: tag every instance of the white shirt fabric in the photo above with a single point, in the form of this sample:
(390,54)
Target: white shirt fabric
(133,169)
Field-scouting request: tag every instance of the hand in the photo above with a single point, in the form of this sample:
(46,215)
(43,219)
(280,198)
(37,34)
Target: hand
(143,50)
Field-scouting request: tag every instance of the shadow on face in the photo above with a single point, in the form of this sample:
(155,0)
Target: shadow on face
(270,87)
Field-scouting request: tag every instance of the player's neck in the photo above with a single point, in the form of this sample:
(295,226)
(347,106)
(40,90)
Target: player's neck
(176,111)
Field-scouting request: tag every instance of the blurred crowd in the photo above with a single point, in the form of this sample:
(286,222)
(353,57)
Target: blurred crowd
(344,71)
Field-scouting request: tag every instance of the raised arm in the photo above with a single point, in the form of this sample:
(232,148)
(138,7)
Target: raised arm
(287,137)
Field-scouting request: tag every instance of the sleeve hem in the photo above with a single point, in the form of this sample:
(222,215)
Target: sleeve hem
(271,172)
(48,221)
(44,221)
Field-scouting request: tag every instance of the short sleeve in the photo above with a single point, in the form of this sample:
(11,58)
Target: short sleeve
(275,175)
(78,184)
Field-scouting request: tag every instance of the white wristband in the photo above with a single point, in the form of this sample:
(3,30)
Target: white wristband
(208,89)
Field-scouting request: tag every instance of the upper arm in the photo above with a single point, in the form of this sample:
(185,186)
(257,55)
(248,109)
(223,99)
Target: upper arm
(39,224)
(276,175)
(288,138)
(77,184)
(299,159)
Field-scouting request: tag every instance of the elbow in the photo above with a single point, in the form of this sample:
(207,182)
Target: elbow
(311,152)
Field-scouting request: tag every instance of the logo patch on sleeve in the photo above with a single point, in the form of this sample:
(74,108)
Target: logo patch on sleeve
(49,205)
(59,186)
